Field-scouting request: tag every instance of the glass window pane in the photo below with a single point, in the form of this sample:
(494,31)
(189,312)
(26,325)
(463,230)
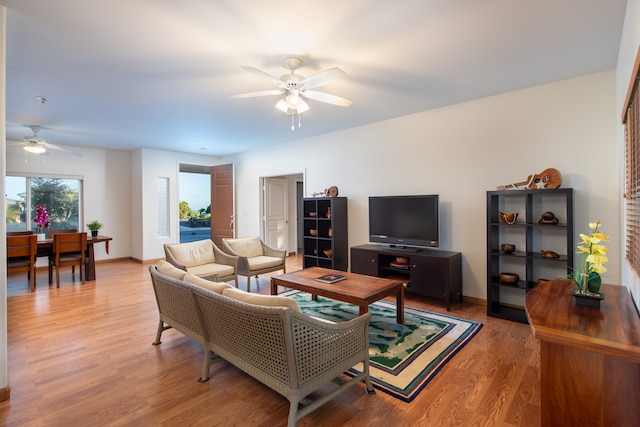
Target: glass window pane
(60,197)
(16,200)
(163,207)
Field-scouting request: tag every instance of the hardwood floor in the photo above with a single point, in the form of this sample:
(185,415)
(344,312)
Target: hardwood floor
(82,355)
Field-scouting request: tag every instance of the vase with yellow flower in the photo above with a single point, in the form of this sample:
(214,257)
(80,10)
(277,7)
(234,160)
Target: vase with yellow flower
(586,274)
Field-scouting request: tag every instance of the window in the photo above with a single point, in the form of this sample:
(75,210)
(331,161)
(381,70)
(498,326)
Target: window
(631,120)
(61,196)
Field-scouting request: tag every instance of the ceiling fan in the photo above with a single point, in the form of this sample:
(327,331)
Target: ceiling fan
(297,88)
(34,144)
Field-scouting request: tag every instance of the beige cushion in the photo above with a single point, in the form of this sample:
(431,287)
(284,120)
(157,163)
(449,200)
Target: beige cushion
(193,253)
(211,269)
(216,287)
(260,262)
(170,270)
(258,299)
(248,247)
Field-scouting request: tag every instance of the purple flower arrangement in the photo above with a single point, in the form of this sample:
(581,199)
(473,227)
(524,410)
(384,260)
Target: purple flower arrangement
(41,219)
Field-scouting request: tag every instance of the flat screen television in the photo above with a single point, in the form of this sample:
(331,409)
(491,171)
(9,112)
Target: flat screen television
(399,221)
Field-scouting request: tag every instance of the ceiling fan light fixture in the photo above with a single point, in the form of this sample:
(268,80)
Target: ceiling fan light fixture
(302,106)
(282,106)
(35,149)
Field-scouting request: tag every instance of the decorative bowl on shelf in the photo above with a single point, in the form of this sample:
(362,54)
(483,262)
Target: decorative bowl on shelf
(327,253)
(313,214)
(509,218)
(313,232)
(549,254)
(507,248)
(509,278)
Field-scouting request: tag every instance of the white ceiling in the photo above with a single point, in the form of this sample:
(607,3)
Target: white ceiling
(122,74)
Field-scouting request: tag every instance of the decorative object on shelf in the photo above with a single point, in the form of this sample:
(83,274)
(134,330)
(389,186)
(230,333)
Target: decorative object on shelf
(549,254)
(400,262)
(331,191)
(548,218)
(329,233)
(549,178)
(509,278)
(313,214)
(507,248)
(94,226)
(509,218)
(586,274)
(541,281)
(328,212)
(328,192)
(313,232)
(42,221)
(327,253)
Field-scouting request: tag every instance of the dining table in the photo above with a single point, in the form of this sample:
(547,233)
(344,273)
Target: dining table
(45,248)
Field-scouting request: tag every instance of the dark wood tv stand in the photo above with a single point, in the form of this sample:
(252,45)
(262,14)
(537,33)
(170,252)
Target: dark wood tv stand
(431,272)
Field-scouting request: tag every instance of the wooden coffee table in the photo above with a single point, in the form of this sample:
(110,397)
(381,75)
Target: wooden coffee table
(356,289)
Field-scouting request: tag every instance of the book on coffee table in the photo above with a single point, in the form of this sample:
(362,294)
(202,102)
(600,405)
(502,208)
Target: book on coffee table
(331,278)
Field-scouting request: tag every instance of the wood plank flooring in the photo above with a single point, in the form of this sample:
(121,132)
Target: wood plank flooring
(81,355)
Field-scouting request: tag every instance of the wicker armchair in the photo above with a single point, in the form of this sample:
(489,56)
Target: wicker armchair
(256,257)
(203,259)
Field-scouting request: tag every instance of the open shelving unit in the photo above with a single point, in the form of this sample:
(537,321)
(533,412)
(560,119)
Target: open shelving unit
(506,300)
(325,229)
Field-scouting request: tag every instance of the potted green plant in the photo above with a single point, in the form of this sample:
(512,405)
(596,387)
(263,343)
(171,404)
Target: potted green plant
(94,226)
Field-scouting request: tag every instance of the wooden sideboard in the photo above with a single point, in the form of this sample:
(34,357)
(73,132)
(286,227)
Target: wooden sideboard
(589,358)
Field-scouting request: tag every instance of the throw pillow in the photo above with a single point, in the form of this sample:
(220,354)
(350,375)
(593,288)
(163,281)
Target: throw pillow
(258,299)
(216,287)
(170,270)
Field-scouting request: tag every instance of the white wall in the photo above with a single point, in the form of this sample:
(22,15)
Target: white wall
(4,378)
(460,152)
(107,184)
(154,164)
(626,58)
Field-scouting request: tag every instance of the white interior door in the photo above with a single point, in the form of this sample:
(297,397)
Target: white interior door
(275,219)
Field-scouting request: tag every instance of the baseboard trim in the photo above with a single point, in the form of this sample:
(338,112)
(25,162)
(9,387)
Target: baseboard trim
(5,393)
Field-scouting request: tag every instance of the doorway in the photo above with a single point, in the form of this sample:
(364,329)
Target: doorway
(280,212)
(194,194)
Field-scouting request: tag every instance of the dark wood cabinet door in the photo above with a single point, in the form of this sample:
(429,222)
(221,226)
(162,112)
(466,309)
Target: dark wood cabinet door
(364,262)
(429,276)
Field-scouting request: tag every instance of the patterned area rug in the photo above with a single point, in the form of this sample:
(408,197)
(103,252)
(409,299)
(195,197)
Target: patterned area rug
(403,358)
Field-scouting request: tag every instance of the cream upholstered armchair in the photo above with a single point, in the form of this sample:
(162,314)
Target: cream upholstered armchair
(256,257)
(204,259)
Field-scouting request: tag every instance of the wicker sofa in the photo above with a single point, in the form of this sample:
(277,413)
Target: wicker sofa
(265,336)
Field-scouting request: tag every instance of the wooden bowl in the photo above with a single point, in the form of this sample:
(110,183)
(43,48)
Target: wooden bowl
(313,232)
(509,278)
(327,253)
(313,214)
(507,248)
(509,218)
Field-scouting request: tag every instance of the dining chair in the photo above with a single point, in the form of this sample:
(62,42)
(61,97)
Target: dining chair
(50,234)
(21,256)
(68,250)
(19,233)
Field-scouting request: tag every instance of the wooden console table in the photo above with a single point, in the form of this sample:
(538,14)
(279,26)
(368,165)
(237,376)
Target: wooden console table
(589,358)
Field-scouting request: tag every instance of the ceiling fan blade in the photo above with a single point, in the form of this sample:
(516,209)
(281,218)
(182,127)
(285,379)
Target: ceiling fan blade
(322,78)
(265,76)
(260,93)
(50,146)
(326,97)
